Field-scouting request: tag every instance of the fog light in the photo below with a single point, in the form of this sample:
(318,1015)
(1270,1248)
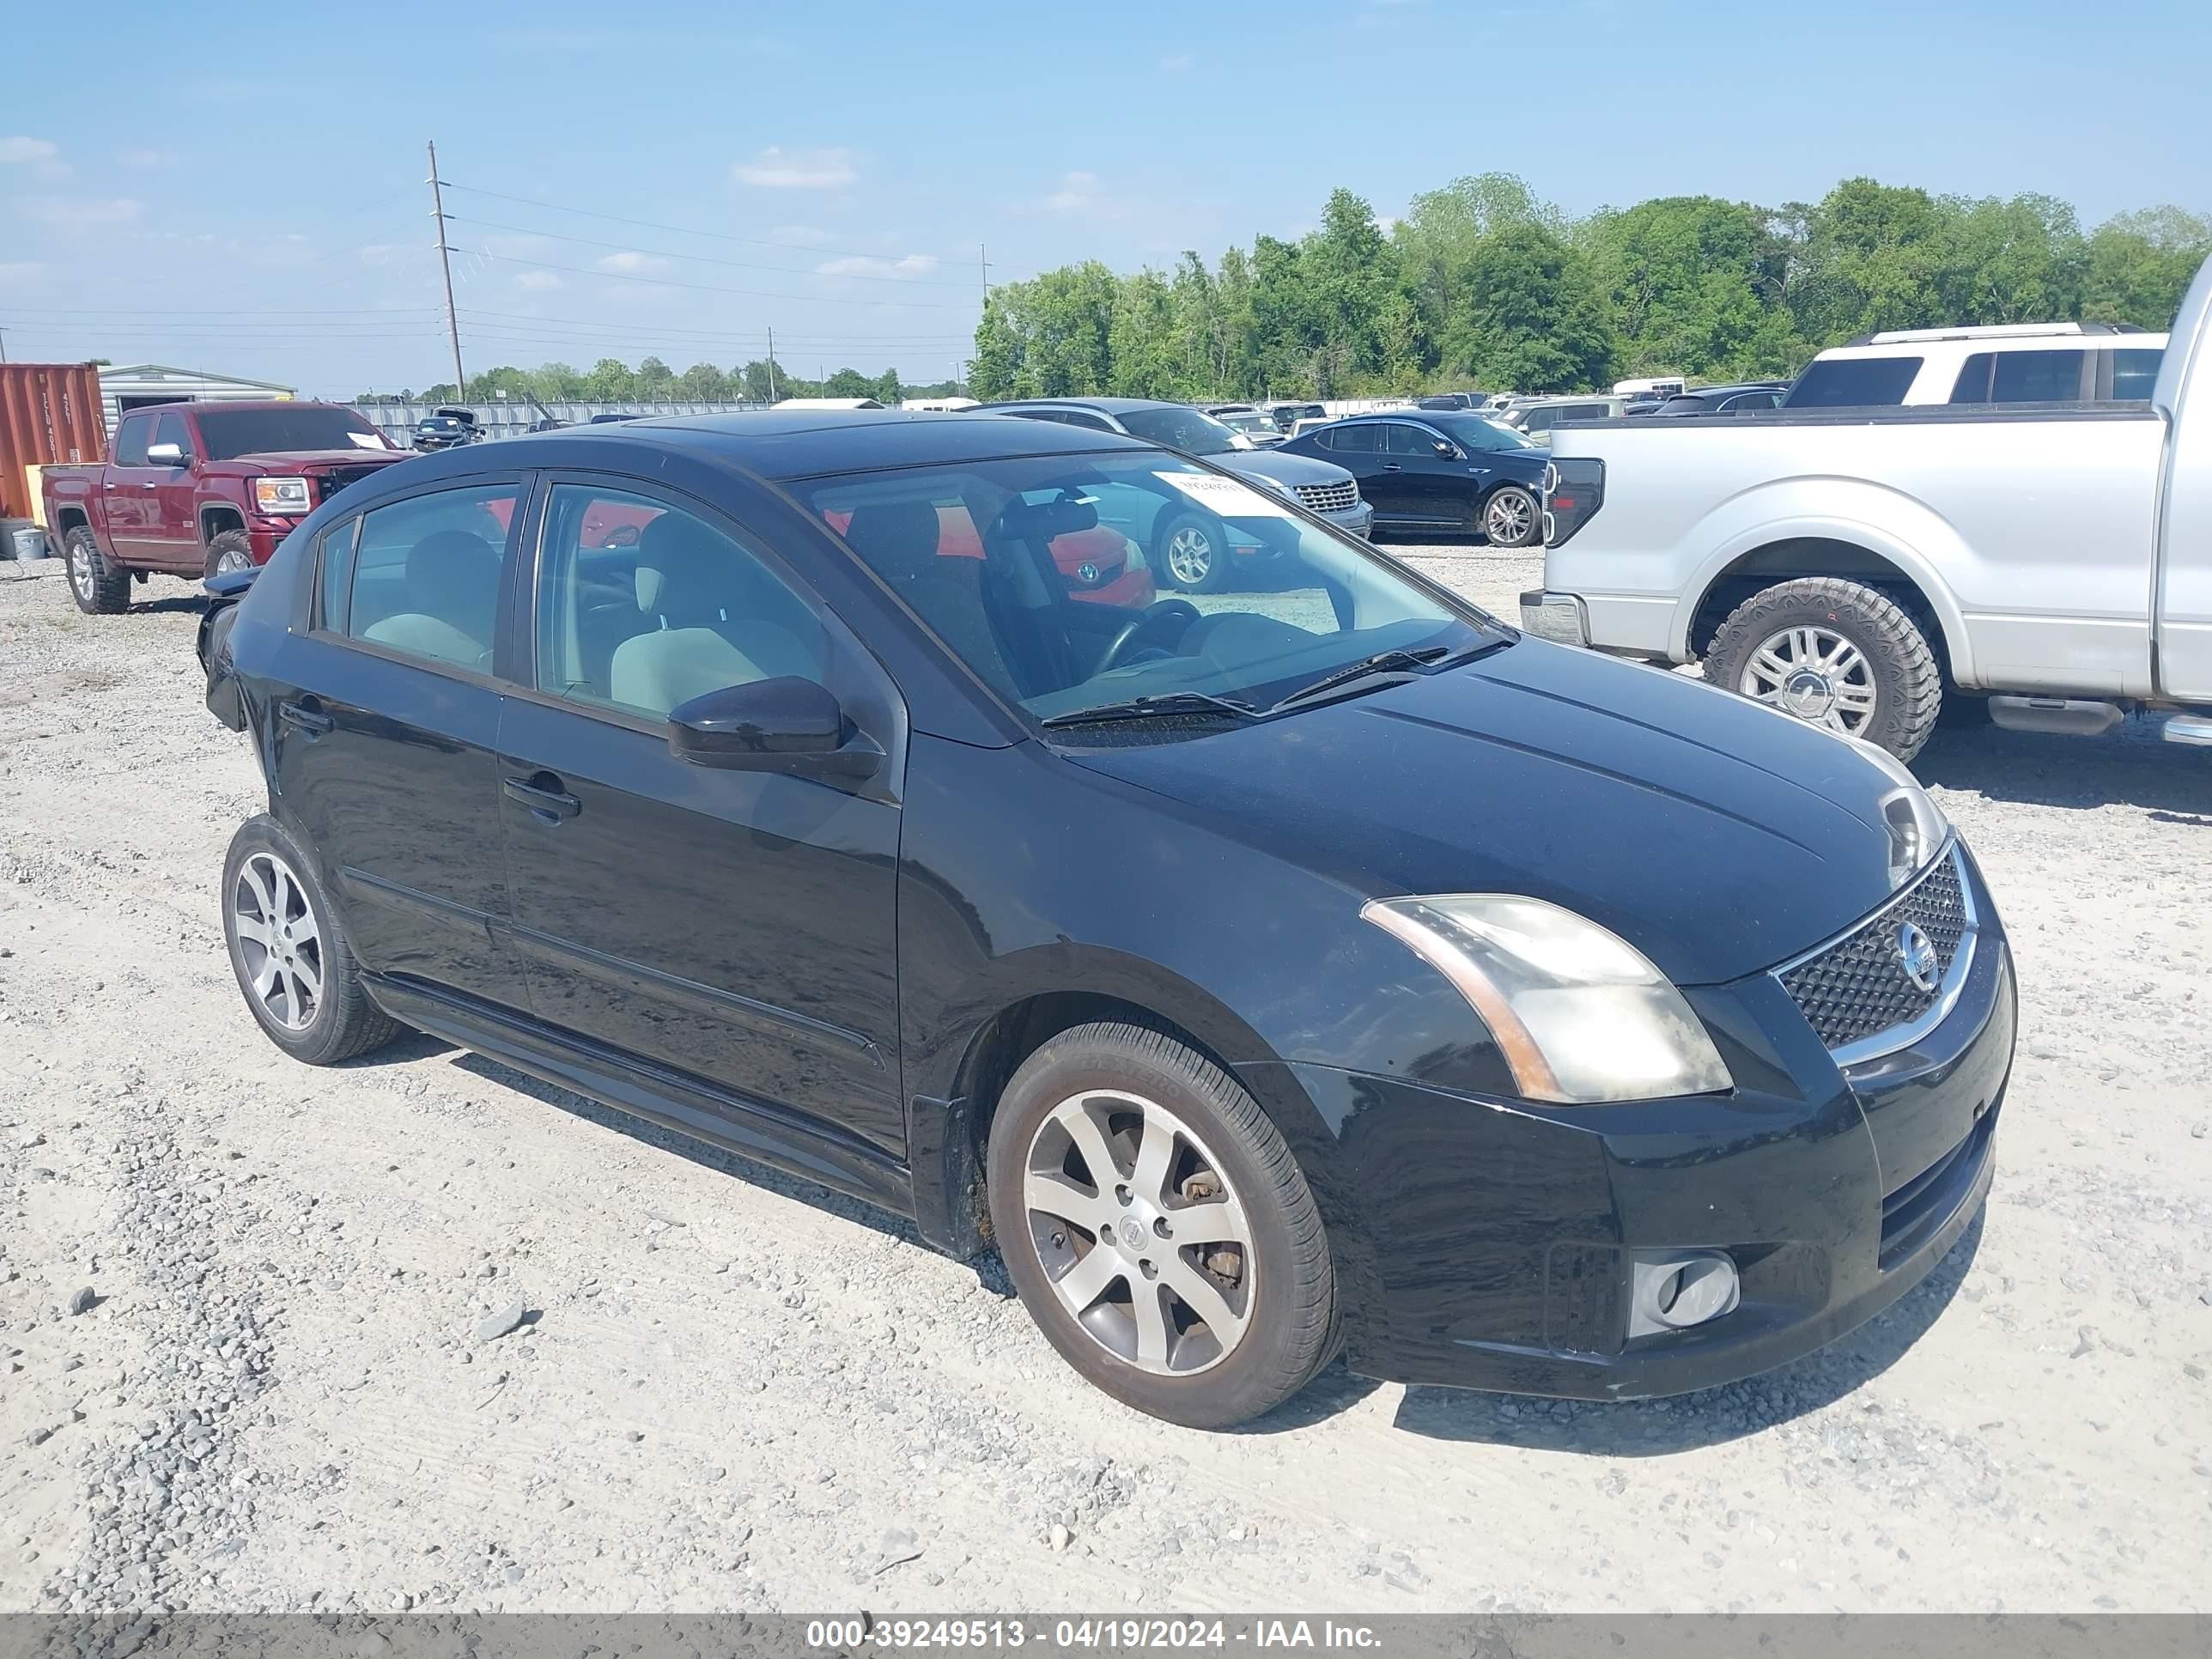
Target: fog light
(1673,1289)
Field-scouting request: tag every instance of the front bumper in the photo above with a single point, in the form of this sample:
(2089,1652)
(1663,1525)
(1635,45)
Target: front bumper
(1489,1243)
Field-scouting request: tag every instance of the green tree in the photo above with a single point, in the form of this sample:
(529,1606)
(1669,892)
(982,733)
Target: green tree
(1143,344)
(654,381)
(705,383)
(1532,317)
(1688,280)
(2021,260)
(2136,266)
(610,380)
(1874,258)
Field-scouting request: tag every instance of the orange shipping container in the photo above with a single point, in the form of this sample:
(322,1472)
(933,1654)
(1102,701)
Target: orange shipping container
(49,412)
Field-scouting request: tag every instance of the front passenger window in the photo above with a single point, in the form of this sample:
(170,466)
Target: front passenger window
(643,606)
(425,575)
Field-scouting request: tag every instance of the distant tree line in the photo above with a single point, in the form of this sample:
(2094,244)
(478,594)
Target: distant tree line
(610,380)
(1481,284)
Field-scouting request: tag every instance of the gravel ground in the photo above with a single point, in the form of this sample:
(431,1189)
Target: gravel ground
(246,1358)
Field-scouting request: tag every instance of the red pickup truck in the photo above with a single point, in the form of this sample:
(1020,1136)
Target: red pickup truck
(192,488)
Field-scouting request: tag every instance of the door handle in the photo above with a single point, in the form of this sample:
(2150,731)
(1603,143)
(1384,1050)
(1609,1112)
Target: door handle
(542,793)
(149,486)
(309,720)
(1392,466)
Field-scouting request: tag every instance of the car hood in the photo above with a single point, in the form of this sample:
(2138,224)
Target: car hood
(1281,465)
(294,460)
(1718,838)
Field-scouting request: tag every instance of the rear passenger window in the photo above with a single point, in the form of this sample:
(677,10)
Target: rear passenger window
(425,574)
(2135,373)
(1356,439)
(1972,386)
(2037,377)
(1853,383)
(643,606)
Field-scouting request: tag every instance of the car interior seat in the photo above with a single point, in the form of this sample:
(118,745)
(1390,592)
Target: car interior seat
(899,540)
(452,581)
(714,618)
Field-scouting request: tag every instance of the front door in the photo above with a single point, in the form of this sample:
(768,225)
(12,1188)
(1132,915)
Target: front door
(734,926)
(1433,482)
(127,485)
(385,720)
(176,528)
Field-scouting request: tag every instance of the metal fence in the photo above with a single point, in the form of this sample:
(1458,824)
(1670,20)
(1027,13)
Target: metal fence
(501,418)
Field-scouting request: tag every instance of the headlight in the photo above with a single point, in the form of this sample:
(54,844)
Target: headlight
(1579,1014)
(282,496)
(1917,826)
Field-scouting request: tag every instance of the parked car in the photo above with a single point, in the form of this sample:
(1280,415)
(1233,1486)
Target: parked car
(1335,969)
(442,429)
(1661,386)
(1746,397)
(1864,572)
(1287,415)
(1427,471)
(1468,400)
(1537,418)
(1192,548)
(1255,427)
(2005,363)
(192,488)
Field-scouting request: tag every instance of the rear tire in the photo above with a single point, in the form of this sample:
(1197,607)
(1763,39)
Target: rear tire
(1511,517)
(288,950)
(1206,1214)
(231,550)
(1834,653)
(1194,554)
(100,588)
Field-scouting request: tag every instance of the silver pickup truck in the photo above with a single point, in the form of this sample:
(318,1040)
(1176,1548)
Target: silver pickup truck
(1859,567)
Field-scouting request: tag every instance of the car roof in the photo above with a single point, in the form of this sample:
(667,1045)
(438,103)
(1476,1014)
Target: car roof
(778,445)
(1104,405)
(243,406)
(1733,387)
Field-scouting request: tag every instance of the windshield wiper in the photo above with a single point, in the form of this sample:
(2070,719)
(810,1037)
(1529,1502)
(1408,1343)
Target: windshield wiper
(1143,708)
(1382,662)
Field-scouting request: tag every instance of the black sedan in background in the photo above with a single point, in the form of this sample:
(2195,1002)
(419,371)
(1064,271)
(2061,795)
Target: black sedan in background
(1333,967)
(1749,397)
(1430,471)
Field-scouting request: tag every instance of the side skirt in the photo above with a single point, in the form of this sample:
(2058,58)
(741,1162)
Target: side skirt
(676,1100)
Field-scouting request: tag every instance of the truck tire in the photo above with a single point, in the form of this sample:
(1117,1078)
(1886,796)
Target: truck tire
(1242,1312)
(100,588)
(1834,653)
(231,550)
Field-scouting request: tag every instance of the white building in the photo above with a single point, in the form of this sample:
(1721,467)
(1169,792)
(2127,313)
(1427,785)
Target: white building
(137,385)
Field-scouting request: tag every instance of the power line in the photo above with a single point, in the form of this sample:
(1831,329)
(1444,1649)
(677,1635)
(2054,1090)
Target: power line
(706,259)
(709,288)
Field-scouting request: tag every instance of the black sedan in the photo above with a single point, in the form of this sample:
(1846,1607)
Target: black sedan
(1430,471)
(1332,967)
(1749,397)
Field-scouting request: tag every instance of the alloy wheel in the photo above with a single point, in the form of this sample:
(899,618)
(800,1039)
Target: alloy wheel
(279,940)
(233,558)
(82,575)
(1815,674)
(1145,1241)
(1506,520)
(1190,556)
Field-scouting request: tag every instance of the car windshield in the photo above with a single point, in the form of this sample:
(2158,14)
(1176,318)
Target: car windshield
(231,433)
(1182,428)
(1044,576)
(1244,420)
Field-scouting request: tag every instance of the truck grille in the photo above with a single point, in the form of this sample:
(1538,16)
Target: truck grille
(1857,987)
(338,477)
(1328,497)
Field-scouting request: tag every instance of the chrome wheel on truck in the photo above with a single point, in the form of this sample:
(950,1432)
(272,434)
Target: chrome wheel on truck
(1815,674)
(99,588)
(1834,653)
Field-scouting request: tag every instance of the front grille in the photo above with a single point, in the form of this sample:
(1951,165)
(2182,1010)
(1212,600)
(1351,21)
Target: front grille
(1857,987)
(338,478)
(1328,497)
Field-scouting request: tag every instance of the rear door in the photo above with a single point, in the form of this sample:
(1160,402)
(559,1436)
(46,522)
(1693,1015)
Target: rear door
(127,491)
(1360,448)
(734,927)
(386,722)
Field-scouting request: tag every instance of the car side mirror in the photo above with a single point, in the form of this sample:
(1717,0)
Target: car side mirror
(786,725)
(1449,452)
(166,455)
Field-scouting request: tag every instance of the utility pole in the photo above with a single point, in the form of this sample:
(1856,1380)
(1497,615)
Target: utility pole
(4,345)
(445,265)
(983,270)
(771,366)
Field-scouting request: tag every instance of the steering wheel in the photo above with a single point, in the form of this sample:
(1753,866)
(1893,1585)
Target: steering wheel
(1152,617)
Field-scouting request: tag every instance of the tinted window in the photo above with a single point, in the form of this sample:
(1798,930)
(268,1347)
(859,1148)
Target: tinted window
(1092,422)
(1355,438)
(172,429)
(1410,441)
(1972,386)
(335,585)
(2135,373)
(131,438)
(2037,377)
(643,606)
(1853,383)
(1181,429)
(425,575)
(231,433)
(1539,420)
(1477,433)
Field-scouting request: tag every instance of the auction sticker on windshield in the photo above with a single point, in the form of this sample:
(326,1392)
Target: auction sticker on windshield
(1226,496)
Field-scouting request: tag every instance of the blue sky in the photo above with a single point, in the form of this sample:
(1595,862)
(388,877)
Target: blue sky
(248,194)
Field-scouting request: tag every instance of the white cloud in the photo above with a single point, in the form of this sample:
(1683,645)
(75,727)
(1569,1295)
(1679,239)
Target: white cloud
(775,168)
(20,270)
(913,265)
(1077,190)
(1181,62)
(628,264)
(539,279)
(149,161)
(27,149)
(77,213)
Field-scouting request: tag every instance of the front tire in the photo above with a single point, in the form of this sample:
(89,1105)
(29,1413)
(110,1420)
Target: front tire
(100,588)
(1834,653)
(1511,518)
(1194,554)
(1158,1228)
(288,950)
(231,550)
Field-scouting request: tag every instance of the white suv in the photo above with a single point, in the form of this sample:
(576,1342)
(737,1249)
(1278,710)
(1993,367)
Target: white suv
(2007,363)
